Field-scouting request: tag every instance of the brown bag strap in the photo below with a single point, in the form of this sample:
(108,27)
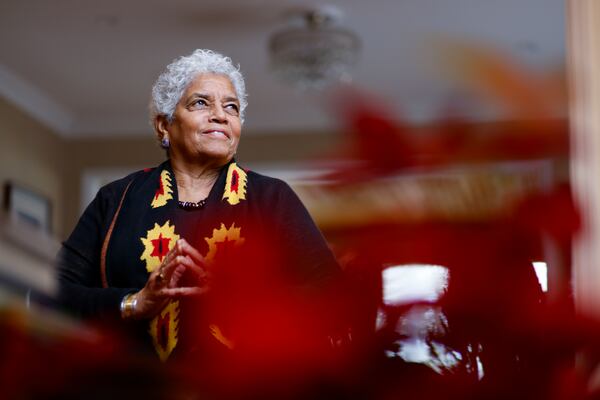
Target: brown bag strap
(107,239)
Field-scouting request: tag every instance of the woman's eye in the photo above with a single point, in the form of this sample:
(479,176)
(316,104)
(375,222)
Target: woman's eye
(232,107)
(198,103)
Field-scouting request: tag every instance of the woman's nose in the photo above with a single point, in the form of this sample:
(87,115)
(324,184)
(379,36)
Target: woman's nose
(217,113)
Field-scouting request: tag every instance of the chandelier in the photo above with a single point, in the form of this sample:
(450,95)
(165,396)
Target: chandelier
(313,51)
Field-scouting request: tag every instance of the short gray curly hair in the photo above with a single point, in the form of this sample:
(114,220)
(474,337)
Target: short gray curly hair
(172,83)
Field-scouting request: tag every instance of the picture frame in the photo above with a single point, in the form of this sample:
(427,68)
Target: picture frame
(27,207)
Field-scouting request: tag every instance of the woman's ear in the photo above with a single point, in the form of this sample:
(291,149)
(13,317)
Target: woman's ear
(160,126)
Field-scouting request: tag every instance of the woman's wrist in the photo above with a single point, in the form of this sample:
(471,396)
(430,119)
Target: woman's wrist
(129,305)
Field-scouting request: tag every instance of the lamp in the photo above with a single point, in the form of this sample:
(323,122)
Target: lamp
(315,52)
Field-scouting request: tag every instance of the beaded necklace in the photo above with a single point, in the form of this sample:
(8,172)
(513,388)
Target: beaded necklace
(190,205)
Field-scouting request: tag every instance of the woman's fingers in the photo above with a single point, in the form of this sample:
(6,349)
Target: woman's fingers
(200,274)
(184,291)
(162,275)
(173,271)
(163,272)
(165,280)
(176,276)
(181,248)
(187,249)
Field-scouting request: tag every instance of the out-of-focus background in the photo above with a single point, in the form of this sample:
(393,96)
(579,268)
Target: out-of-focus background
(426,137)
(75,77)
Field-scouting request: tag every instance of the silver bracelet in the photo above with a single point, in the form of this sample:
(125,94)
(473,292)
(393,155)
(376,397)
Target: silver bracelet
(134,303)
(128,305)
(122,306)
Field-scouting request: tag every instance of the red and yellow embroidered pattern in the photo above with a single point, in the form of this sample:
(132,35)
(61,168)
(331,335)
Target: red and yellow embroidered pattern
(218,242)
(157,243)
(220,237)
(164,192)
(216,332)
(235,186)
(164,329)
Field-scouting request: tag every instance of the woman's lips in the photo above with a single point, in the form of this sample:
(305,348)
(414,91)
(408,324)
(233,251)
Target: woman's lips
(216,134)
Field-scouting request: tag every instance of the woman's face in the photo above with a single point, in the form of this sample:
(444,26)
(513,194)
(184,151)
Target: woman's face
(206,125)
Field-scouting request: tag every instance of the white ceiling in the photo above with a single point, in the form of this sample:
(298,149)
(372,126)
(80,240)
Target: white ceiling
(86,67)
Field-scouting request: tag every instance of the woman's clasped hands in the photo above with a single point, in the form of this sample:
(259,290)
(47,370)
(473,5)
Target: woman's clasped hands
(166,283)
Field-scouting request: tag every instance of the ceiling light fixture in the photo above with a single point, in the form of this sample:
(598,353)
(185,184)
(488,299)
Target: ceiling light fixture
(313,51)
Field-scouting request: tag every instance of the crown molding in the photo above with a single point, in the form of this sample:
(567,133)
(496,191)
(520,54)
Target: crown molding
(35,102)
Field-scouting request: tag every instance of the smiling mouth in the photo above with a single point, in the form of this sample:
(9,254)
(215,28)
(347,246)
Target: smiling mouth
(216,134)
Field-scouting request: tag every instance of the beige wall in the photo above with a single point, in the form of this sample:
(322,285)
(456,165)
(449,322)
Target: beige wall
(126,153)
(32,155)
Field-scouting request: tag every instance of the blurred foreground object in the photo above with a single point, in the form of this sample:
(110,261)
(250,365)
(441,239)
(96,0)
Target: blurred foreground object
(519,93)
(46,354)
(488,208)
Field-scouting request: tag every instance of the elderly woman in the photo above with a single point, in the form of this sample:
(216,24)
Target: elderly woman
(150,245)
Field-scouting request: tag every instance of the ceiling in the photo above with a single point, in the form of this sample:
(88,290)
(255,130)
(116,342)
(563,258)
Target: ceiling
(85,67)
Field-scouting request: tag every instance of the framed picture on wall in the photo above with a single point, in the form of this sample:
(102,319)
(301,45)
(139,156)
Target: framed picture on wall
(27,207)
